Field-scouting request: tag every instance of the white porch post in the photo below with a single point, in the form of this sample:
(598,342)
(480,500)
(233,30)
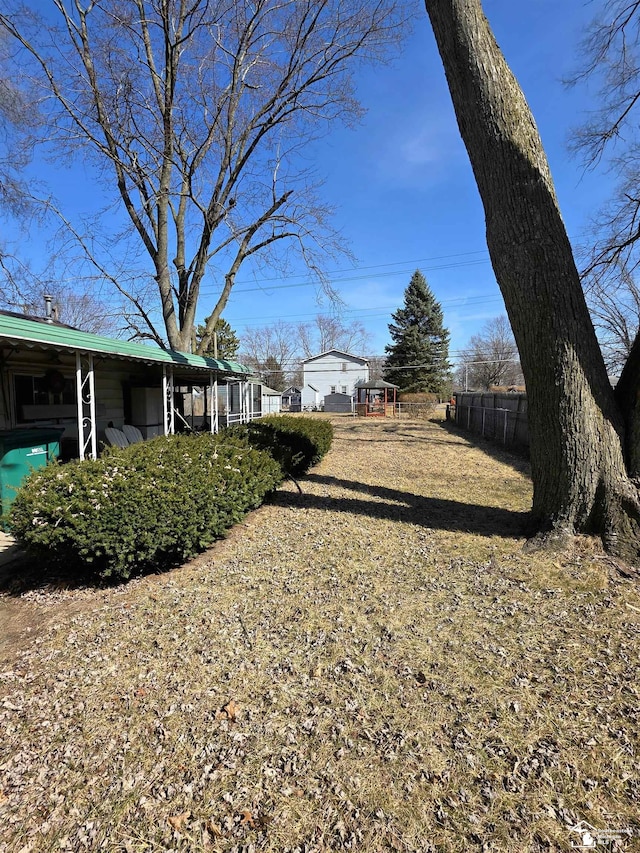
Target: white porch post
(86,402)
(207,403)
(167,399)
(213,385)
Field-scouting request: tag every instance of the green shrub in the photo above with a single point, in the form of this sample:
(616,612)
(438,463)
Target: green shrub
(151,504)
(296,443)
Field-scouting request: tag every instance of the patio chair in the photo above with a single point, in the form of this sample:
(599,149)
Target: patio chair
(132,434)
(115,437)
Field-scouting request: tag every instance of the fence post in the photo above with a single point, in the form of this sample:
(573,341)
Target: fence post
(506,418)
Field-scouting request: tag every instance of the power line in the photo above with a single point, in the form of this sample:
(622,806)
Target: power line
(381,311)
(340,272)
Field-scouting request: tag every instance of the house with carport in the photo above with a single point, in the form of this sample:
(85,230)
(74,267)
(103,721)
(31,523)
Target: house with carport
(56,377)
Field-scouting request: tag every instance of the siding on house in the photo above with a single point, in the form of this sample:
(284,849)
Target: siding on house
(271,401)
(291,399)
(108,392)
(109,402)
(331,372)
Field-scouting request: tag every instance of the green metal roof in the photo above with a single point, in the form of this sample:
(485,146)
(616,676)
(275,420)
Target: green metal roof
(38,333)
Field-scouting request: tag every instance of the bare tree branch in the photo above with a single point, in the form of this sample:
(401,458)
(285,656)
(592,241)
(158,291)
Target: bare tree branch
(490,359)
(195,114)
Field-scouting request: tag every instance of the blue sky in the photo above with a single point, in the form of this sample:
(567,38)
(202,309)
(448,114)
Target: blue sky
(403,189)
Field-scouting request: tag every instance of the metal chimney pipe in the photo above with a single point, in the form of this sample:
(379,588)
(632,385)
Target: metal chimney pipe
(48,300)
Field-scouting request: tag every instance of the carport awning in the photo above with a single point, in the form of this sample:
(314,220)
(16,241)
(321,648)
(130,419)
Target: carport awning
(19,332)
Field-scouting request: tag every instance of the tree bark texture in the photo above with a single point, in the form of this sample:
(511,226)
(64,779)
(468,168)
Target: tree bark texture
(576,428)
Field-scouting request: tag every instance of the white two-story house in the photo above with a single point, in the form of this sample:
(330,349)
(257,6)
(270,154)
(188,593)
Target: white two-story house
(331,372)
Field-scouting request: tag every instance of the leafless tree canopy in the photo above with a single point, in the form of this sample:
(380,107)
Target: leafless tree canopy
(195,113)
(377,365)
(23,292)
(491,357)
(276,351)
(614,300)
(330,332)
(271,351)
(18,120)
(610,58)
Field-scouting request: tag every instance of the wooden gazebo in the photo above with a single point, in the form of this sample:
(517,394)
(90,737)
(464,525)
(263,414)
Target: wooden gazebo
(376,398)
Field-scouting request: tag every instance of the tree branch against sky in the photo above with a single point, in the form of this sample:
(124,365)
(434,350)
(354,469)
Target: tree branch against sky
(276,351)
(195,116)
(614,301)
(610,62)
(328,331)
(272,351)
(490,358)
(18,122)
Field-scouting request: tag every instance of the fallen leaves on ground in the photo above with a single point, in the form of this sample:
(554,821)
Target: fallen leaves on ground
(177,822)
(408,678)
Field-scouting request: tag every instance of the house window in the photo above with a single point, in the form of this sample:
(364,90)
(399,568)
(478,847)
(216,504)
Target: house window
(333,389)
(344,366)
(42,397)
(344,389)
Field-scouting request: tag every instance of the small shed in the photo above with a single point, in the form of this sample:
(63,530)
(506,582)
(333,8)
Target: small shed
(376,398)
(271,401)
(292,399)
(338,403)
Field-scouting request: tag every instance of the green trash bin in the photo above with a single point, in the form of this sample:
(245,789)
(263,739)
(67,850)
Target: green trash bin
(21,450)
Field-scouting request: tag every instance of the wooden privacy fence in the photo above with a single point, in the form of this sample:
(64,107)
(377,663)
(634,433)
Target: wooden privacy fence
(501,417)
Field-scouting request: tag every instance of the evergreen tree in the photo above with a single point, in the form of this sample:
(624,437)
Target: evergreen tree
(420,342)
(228,342)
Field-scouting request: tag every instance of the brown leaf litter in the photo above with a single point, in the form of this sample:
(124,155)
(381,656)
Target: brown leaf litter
(371,665)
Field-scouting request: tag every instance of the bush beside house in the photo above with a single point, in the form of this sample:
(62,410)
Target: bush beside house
(295,443)
(159,502)
(148,505)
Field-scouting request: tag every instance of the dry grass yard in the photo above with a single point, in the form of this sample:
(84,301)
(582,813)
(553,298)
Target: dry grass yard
(372,665)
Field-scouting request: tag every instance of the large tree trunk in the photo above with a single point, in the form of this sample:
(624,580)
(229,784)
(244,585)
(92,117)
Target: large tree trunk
(576,428)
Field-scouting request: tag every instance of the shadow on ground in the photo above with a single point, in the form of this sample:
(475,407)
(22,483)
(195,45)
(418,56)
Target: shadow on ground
(511,457)
(30,574)
(394,505)
(519,461)
(27,574)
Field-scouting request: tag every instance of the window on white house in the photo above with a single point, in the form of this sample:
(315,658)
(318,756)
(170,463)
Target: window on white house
(344,389)
(333,389)
(43,397)
(344,366)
